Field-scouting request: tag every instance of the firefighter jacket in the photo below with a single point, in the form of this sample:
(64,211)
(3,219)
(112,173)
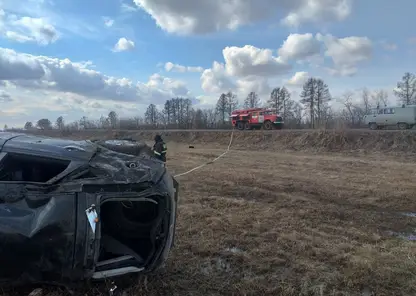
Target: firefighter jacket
(159,150)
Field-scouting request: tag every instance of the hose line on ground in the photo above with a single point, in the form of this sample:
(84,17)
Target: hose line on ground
(212,161)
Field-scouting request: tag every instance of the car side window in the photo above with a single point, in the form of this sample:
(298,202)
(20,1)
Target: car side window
(30,168)
(372,111)
(380,111)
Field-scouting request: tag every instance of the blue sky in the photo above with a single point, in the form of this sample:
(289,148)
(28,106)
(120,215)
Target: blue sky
(77,70)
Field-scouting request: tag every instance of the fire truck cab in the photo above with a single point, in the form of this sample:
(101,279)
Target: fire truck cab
(256,118)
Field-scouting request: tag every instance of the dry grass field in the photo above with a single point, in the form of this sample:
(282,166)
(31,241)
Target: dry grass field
(279,222)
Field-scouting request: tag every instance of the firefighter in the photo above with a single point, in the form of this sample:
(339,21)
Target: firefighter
(160,148)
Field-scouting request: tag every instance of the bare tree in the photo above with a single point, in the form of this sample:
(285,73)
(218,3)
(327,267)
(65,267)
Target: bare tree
(138,121)
(73,126)
(277,96)
(113,118)
(222,107)
(83,122)
(167,112)
(406,89)
(380,97)
(323,96)
(315,96)
(308,99)
(186,113)
(297,113)
(199,119)
(280,101)
(104,122)
(327,116)
(28,125)
(252,100)
(365,97)
(44,124)
(151,115)
(211,117)
(231,102)
(349,106)
(60,123)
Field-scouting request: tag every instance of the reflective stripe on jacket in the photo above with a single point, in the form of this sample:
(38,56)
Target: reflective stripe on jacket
(159,150)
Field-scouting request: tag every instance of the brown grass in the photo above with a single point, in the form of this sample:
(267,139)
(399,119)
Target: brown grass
(358,141)
(277,223)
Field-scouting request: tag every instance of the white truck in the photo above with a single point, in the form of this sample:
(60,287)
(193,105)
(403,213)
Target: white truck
(403,117)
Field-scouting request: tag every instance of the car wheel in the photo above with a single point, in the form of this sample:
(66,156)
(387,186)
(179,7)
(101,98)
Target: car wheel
(268,125)
(402,126)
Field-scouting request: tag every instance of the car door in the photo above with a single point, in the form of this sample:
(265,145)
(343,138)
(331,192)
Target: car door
(380,119)
(261,117)
(389,117)
(255,117)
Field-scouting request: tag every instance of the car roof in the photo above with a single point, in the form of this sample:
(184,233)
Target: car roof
(46,146)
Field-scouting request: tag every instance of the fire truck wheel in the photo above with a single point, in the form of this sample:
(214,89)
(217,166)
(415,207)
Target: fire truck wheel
(240,125)
(267,125)
(247,126)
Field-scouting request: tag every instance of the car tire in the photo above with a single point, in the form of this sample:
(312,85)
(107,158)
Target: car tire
(268,125)
(402,126)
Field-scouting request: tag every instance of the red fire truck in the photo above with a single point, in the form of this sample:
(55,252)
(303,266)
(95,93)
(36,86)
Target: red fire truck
(256,118)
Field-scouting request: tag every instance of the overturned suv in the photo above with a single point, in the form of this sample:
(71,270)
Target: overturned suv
(74,210)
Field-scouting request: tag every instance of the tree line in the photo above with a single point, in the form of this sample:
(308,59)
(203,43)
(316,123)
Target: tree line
(311,111)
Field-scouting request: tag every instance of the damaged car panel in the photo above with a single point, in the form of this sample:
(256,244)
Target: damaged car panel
(73,210)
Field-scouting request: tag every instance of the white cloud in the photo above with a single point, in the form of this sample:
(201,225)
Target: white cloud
(200,17)
(128,8)
(215,79)
(17,37)
(182,69)
(298,79)
(245,69)
(5,97)
(158,82)
(19,66)
(27,71)
(205,101)
(108,22)
(300,47)
(249,68)
(31,105)
(346,53)
(315,11)
(260,85)
(27,29)
(250,60)
(124,44)
(66,23)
